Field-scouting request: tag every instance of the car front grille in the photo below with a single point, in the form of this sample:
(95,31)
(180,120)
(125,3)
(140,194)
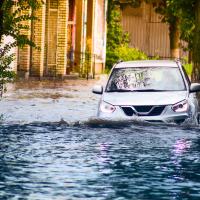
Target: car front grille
(143,110)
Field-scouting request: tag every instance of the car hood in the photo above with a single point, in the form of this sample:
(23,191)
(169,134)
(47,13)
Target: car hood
(144,98)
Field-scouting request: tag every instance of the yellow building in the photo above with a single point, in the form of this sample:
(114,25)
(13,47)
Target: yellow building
(71,36)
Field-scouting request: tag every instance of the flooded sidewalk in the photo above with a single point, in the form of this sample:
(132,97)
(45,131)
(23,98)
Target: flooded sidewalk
(49,101)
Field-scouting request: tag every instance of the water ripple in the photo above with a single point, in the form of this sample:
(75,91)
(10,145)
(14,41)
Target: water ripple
(58,161)
(51,148)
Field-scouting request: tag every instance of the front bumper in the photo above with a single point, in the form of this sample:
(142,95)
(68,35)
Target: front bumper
(167,116)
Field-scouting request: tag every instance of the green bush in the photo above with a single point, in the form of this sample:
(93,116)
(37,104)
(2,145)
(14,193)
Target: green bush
(118,39)
(188,68)
(124,53)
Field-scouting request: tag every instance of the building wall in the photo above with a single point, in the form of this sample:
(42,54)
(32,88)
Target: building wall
(38,37)
(50,59)
(23,56)
(64,26)
(100,34)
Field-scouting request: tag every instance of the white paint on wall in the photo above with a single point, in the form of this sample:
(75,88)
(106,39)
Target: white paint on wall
(100,30)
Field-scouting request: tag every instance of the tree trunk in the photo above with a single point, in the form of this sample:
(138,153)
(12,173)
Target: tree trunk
(196,45)
(174,34)
(1,20)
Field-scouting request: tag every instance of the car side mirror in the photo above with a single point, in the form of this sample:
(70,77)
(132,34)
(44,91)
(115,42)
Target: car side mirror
(97,89)
(195,87)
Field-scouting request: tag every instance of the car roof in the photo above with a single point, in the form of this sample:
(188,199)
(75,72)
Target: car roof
(147,63)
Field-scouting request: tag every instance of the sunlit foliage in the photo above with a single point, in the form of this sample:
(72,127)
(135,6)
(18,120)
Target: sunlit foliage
(117,39)
(13,15)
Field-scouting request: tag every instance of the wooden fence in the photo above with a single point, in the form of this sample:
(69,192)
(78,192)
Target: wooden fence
(147,31)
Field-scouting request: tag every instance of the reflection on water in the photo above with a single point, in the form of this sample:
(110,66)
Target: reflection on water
(181,146)
(64,155)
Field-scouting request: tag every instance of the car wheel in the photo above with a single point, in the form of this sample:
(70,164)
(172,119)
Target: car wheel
(180,121)
(198,118)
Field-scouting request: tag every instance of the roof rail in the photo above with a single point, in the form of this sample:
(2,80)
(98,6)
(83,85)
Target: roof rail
(177,59)
(119,61)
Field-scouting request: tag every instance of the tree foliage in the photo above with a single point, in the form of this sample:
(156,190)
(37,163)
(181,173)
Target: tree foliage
(13,17)
(184,10)
(115,36)
(188,14)
(124,53)
(117,39)
(196,44)
(13,14)
(6,74)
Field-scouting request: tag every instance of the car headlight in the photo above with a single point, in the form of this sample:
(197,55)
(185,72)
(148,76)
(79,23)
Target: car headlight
(181,106)
(106,107)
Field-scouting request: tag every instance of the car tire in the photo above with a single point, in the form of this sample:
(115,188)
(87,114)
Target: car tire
(180,121)
(198,118)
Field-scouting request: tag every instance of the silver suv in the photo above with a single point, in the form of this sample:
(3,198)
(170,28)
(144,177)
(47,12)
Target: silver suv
(151,90)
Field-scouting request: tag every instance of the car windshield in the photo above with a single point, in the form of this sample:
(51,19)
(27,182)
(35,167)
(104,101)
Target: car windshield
(145,79)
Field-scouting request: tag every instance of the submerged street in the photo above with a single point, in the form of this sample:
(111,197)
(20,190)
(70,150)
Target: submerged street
(53,148)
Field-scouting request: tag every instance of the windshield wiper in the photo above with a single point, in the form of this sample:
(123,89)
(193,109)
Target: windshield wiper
(119,90)
(149,90)
(145,90)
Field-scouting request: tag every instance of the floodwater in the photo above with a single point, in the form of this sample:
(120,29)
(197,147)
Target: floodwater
(52,148)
